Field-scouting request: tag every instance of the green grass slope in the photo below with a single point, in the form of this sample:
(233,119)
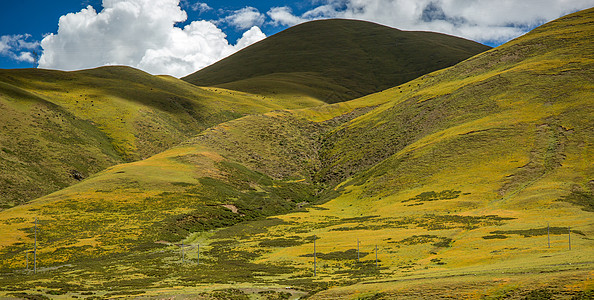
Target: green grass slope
(335,60)
(59,127)
(445,186)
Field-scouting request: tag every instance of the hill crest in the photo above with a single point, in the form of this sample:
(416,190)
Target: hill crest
(350,58)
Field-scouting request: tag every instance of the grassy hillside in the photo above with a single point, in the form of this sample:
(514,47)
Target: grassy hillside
(447,185)
(335,60)
(60,127)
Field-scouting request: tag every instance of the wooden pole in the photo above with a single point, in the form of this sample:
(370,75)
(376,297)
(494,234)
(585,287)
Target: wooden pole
(315,266)
(35,250)
(357,250)
(376,255)
(569,236)
(548,235)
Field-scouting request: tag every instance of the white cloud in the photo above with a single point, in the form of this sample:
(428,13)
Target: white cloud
(198,45)
(201,7)
(245,18)
(12,45)
(249,37)
(4,46)
(284,16)
(137,33)
(480,20)
(26,57)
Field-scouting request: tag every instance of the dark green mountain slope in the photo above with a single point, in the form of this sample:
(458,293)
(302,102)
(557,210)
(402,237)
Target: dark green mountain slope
(335,60)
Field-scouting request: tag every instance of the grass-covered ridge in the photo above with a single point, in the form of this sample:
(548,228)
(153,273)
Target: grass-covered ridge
(60,127)
(335,60)
(455,177)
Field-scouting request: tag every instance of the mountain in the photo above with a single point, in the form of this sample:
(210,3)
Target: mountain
(79,123)
(60,127)
(335,60)
(466,182)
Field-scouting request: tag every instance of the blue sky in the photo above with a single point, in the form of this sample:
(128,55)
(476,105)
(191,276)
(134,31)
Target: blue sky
(38,18)
(178,37)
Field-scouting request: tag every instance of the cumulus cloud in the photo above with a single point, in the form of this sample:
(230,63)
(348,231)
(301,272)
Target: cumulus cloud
(249,37)
(480,20)
(141,34)
(198,45)
(245,18)
(18,47)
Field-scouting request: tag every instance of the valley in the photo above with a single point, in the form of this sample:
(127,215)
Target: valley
(474,180)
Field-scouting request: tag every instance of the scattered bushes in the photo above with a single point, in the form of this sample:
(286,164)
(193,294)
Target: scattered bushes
(433,196)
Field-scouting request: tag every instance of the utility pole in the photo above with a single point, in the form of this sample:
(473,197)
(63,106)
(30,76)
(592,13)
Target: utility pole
(35,250)
(376,255)
(357,250)
(315,266)
(183,254)
(569,236)
(548,235)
